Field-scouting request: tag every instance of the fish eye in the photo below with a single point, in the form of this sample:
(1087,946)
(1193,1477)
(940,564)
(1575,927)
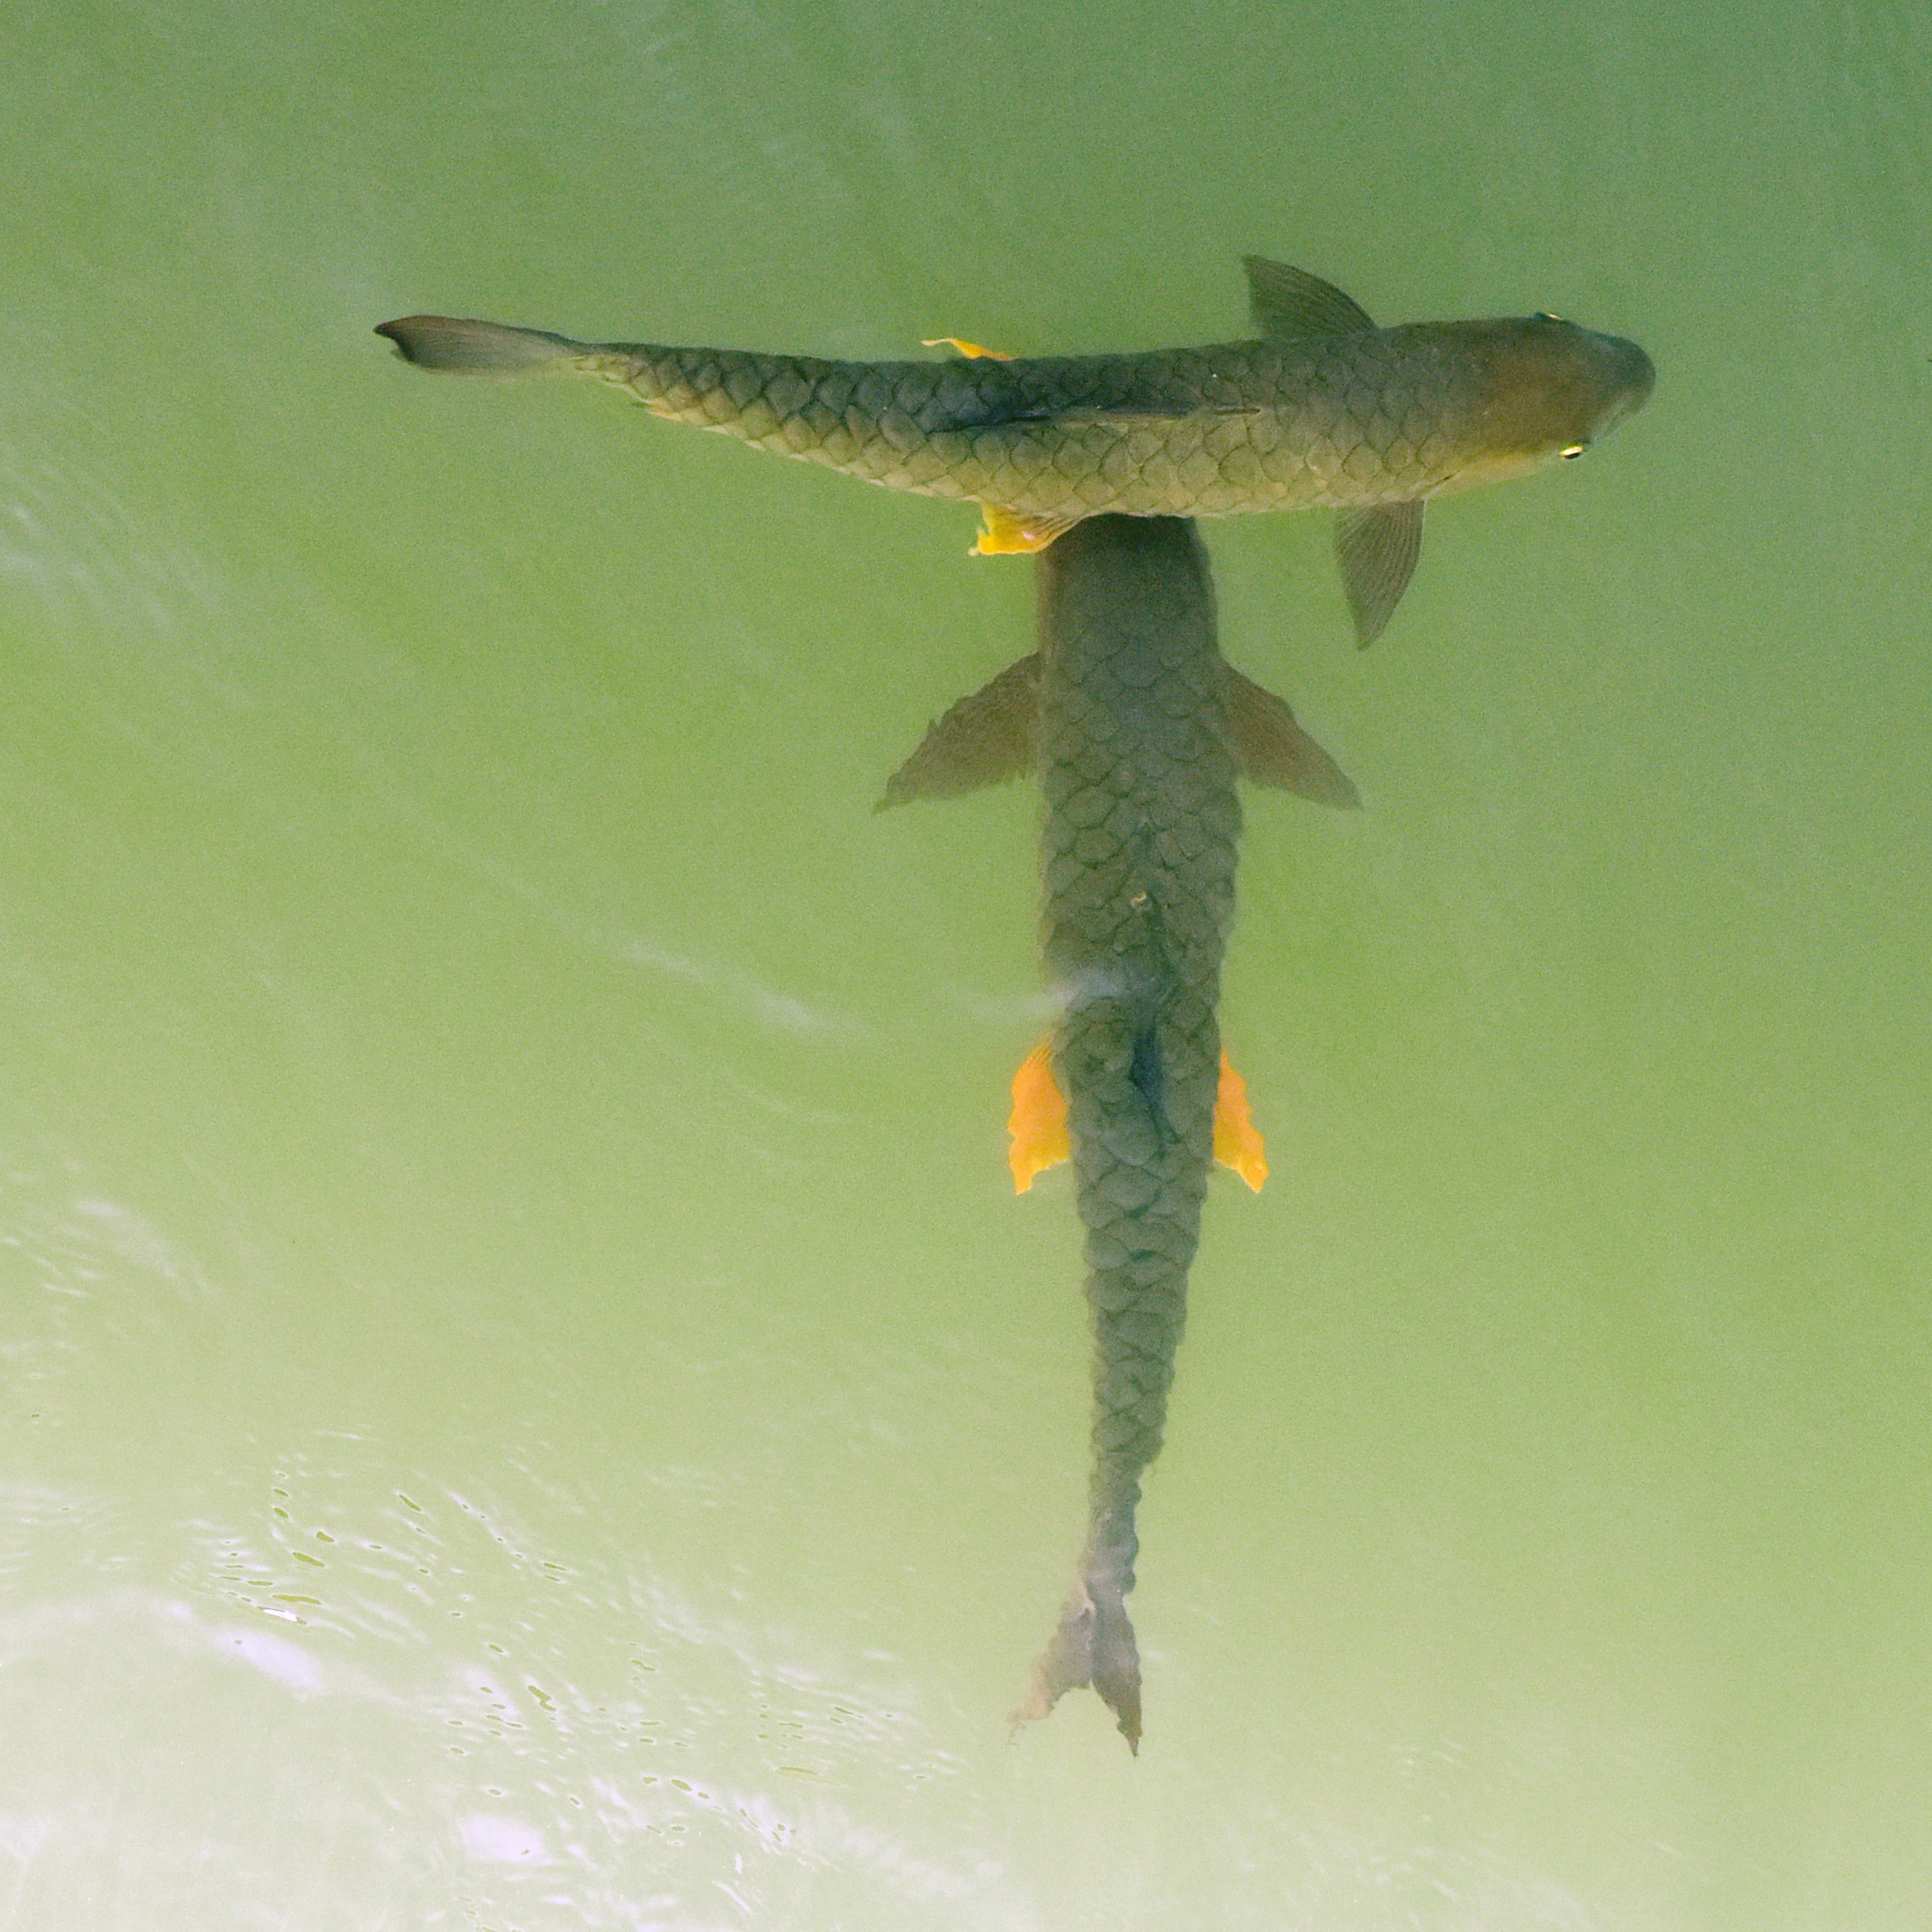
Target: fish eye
(1573,452)
(1544,315)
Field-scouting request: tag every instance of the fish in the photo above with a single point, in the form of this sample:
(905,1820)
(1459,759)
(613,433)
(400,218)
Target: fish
(1137,728)
(1320,408)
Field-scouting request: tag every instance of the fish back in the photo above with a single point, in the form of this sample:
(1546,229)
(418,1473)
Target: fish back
(1138,843)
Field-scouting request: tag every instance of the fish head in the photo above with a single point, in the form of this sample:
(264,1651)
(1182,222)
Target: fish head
(1550,392)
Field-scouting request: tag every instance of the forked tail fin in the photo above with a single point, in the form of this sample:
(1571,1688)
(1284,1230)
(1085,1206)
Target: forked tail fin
(1094,1644)
(463,347)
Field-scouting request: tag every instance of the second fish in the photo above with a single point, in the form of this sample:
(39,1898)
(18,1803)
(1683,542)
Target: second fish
(1323,408)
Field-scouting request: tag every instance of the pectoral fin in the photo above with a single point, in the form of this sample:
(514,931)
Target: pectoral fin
(1377,550)
(1270,748)
(1038,1121)
(1005,532)
(989,735)
(972,350)
(1290,304)
(1237,1139)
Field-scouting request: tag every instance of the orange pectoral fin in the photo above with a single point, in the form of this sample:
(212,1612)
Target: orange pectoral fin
(1005,533)
(1237,1139)
(1038,1120)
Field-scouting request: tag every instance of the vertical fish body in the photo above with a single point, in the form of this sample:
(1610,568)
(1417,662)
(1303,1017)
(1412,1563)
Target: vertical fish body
(1138,860)
(1322,409)
(1136,727)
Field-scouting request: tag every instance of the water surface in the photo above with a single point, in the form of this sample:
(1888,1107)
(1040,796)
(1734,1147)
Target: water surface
(530,1401)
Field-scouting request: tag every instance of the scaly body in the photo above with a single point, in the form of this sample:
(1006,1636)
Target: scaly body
(1137,867)
(1356,421)
(1137,727)
(1322,409)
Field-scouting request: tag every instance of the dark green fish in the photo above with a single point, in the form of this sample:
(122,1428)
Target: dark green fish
(1322,409)
(1137,727)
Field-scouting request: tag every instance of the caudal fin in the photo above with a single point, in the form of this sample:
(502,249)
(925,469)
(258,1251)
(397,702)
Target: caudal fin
(463,347)
(1094,1644)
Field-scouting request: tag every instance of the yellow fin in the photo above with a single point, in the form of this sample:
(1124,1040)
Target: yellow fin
(1038,1121)
(972,349)
(1005,533)
(1237,1139)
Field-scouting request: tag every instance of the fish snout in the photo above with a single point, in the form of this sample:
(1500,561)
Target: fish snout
(1627,376)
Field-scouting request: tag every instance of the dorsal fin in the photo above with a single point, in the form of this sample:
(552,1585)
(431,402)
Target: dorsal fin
(1291,304)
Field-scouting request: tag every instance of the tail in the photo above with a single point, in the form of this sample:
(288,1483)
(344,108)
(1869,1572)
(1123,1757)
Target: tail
(1093,1646)
(462,346)
(1140,1099)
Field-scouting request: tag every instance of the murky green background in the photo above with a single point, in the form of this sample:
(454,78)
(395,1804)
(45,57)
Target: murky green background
(530,1402)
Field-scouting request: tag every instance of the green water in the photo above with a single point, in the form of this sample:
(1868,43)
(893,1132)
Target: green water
(530,1402)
